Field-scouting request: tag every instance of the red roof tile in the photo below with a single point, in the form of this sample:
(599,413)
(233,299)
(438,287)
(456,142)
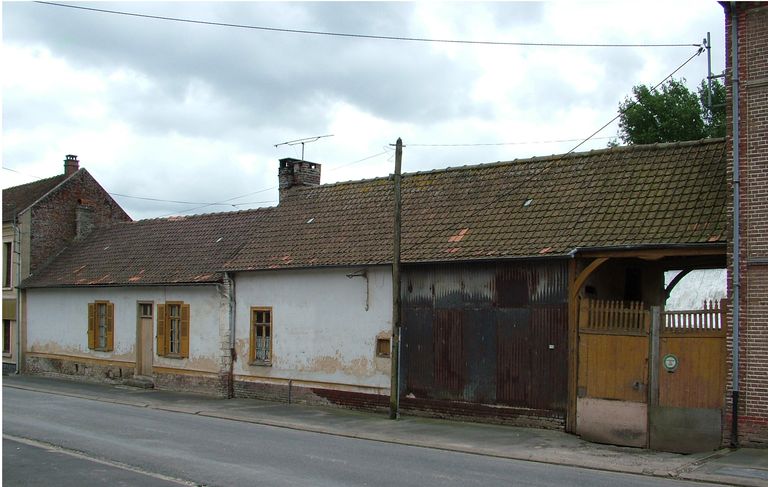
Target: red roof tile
(177,250)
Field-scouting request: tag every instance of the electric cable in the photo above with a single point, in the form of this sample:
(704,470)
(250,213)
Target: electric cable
(360,36)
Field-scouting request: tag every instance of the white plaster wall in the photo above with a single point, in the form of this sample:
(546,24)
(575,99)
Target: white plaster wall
(57,322)
(321,329)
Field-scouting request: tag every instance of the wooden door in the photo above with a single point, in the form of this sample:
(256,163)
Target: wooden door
(612,405)
(144,339)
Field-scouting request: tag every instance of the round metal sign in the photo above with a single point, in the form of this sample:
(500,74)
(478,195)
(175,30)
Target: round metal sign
(670,362)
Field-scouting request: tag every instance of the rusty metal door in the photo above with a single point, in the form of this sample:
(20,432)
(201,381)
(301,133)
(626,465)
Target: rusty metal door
(486,334)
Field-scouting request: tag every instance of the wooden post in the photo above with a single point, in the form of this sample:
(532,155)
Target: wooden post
(394,393)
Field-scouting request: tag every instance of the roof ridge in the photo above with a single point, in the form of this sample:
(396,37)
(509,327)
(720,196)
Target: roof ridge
(517,161)
(202,215)
(35,182)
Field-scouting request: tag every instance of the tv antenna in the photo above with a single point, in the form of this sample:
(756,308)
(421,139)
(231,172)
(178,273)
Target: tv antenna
(303,141)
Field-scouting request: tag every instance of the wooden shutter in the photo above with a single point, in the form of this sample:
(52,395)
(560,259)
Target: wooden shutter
(161,328)
(110,327)
(184,330)
(252,352)
(92,325)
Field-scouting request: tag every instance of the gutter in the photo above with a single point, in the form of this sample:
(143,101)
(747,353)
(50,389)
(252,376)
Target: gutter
(618,248)
(736,225)
(229,285)
(17,252)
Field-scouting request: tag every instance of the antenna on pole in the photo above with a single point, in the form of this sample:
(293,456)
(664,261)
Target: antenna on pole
(303,141)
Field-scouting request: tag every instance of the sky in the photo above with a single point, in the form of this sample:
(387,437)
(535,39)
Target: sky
(178,118)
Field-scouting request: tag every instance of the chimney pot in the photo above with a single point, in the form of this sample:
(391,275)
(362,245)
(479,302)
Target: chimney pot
(71,165)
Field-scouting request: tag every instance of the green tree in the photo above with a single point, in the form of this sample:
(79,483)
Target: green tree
(671,113)
(714,118)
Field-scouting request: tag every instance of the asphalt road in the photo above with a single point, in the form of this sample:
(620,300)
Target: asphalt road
(138,446)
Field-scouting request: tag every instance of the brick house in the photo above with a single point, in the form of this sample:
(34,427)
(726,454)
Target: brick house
(39,220)
(749,22)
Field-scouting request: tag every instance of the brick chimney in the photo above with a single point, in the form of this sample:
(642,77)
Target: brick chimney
(71,165)
(83,219)
(295,172)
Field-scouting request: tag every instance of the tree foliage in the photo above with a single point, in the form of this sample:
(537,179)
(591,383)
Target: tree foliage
(672,113)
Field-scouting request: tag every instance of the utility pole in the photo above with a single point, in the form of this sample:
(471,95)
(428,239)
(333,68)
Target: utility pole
(394,393)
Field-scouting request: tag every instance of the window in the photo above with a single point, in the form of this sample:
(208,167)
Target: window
(261,336)
(145,310)
(382,347)
(6,337)
(7,265)
(173,329)
(101,326)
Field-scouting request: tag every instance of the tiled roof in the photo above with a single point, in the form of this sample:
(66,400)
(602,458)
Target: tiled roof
(663,194)
(178,250)
(18,198)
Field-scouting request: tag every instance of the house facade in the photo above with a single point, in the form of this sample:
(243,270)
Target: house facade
(746,29)
(39,220)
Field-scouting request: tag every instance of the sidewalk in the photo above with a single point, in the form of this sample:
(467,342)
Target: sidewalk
(744,467)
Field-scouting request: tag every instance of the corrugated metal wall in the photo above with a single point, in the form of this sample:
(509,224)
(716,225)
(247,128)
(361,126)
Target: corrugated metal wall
(487,333)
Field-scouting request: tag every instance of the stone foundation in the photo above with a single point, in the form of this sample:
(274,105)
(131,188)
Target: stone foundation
(88,370)
(379,403)
(210,385)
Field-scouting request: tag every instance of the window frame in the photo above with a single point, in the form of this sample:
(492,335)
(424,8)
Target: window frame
(164,327)
(95,327)
(254,334)
(9,342)
(8,265)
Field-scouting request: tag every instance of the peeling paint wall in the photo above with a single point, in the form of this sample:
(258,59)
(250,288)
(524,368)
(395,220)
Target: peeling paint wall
(321,329)
(57,323)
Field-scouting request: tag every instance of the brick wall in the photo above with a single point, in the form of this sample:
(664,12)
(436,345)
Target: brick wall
(53,218)
(753,147)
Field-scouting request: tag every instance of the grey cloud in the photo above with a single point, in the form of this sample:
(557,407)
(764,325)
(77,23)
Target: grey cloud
(266,78)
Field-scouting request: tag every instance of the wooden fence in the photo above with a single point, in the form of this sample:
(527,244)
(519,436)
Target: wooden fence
(709,320)
(623,317)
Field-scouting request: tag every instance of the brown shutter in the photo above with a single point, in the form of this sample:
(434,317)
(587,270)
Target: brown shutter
(161,330)
(110,327)
(184,330)
(91,325)
(252,351)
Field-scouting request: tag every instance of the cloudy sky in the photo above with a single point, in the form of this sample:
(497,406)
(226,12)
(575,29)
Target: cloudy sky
(191,113)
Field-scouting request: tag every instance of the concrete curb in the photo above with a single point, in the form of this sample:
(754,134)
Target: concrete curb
(684,472)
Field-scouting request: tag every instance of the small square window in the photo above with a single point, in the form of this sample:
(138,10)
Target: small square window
(383,347)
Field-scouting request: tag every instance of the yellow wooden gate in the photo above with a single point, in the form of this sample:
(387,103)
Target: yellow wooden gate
(649,378)
(687,404)
(612,394)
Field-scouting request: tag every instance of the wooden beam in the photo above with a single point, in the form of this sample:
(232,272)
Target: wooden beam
(575,282)
(655,254)
(583,275)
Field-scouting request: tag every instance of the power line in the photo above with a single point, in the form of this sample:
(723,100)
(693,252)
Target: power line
(19,172)
(521,186)
(494,144)
(698,52)
(224,202)
(359,36)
